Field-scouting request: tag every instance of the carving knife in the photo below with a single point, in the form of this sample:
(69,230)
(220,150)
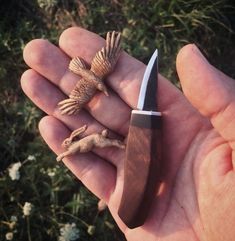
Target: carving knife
(143,152)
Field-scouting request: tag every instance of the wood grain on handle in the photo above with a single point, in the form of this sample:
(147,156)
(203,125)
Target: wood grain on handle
(141,168)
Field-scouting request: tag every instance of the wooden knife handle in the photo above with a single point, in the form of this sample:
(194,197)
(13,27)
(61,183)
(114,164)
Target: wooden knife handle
(141,168)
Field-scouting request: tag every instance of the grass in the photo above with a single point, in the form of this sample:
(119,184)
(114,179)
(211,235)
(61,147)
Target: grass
(57,196)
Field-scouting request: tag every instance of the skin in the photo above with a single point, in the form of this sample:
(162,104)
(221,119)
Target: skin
(197,198)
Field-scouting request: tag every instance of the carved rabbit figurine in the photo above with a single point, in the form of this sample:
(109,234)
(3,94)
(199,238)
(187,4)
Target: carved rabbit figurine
(87,143)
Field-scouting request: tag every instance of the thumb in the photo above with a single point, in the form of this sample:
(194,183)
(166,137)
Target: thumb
(209,90)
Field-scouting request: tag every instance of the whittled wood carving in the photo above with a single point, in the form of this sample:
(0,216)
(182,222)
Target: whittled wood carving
(92,79)
(87,143)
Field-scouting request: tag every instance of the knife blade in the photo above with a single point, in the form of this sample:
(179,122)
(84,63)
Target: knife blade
(143,152)
(147,97)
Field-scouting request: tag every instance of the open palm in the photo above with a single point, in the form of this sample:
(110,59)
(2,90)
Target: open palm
(198,189)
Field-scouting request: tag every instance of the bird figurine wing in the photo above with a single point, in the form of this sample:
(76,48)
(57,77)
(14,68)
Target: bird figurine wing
(82,92)
(106,58)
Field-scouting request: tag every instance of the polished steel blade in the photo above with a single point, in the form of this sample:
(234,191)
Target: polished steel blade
(147,98)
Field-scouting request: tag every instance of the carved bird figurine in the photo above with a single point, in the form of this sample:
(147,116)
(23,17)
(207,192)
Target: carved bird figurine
(92,80)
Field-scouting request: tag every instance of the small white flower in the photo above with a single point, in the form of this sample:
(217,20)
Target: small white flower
(27,209)
(47,3)
(51,172)
(9,236)
(14,171)
(69,232)
(42,170)
(13,219)
(31,158)
(91,230)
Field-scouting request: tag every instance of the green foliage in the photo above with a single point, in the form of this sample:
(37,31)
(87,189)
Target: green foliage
(57,197)
(167,25)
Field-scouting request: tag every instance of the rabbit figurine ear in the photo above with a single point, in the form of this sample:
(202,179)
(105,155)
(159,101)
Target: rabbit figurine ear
(105,133)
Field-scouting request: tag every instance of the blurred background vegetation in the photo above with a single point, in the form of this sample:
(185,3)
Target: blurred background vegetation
(57,197)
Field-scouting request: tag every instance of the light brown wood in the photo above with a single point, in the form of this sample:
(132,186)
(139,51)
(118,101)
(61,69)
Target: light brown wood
(92,79)
(87,143)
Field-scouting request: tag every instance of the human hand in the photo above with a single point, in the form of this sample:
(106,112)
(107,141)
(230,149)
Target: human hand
(197,198)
